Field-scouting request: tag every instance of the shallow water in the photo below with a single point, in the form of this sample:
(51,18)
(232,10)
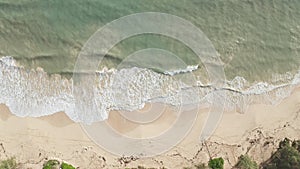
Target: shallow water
(258,42)
(255,39)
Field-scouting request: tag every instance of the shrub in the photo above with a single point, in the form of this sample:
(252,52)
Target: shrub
(286,157)
(8,164)
(216,163)
(296,145)
(66,166)
(245,162)
(284,143)
(51,164)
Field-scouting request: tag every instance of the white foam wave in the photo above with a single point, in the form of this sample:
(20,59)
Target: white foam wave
(34,93)
(189,68)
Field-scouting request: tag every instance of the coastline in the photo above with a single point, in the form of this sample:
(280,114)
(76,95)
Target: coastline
(257,132)
(65,90)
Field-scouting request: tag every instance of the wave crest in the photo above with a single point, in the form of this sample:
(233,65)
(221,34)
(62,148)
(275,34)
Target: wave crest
(34,93)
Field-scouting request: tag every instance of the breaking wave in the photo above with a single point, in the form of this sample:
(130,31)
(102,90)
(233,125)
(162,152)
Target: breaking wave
(34,93)
(188,69)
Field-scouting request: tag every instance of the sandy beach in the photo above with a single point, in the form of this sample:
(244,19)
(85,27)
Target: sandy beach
(256,132)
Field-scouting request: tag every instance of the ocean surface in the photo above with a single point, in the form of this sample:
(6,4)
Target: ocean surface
(257,41)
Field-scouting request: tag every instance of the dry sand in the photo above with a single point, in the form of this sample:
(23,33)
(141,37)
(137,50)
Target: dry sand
(256,132)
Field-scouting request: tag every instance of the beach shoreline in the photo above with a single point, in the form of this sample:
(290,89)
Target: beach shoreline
(256,132)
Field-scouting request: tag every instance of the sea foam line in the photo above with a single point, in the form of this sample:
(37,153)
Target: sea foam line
(34,93)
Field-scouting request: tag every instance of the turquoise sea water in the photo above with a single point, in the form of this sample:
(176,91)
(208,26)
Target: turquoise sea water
(255,39)
(258,42)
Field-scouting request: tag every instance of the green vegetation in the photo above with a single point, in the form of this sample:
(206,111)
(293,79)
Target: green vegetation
(51,164)
(245,162)
(296,145)
(216,163)
(55,164)
(9,164)
(66,166)
(287,156)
